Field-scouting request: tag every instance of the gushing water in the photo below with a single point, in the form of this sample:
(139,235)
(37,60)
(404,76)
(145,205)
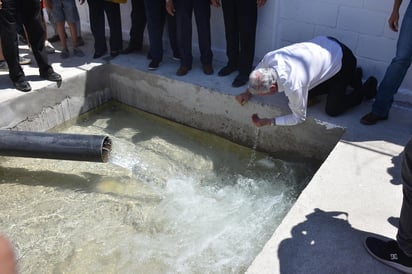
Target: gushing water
(255,144)
(171,200)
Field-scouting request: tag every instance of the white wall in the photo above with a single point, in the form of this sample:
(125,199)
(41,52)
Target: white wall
(360,24)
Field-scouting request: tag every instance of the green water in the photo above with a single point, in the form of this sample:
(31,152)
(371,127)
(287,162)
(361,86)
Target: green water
(172,199)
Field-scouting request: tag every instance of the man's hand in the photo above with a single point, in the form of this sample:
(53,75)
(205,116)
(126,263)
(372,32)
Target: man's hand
(394,21)
(170,7)
(1,4)
(244,97)
(260,122)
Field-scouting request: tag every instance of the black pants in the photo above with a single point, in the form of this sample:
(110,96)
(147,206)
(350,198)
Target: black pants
(184,11)
(240,18)
(97,9)
(138,18)
(157,17)
(30,14)
(338,100)
(9,43)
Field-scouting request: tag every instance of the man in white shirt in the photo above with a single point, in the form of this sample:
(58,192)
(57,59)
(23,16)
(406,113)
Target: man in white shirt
(322,65)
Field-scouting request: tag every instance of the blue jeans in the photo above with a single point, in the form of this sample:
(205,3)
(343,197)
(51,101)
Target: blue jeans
(396,71)
(404,236)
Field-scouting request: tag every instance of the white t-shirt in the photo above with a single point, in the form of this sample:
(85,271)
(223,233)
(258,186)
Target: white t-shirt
(301,67)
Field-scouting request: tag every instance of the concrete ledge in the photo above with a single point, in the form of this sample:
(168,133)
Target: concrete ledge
(219,113)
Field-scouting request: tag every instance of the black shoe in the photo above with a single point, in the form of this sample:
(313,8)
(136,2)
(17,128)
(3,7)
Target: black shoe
(99,54)
(240,80)
(370,88)
(183,70)
(154,65)
(207,69)
(226,70)
(51,75)
(371,119)
(389,253)
(115,53)
(22,85)
(130,49)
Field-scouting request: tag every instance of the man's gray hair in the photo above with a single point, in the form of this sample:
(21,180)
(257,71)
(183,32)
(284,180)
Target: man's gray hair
(260,80)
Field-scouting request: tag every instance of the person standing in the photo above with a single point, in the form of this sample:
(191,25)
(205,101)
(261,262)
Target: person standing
(66,12)
(398,254)
(396,71)
(138,18)
(30,13)
(9,44)
(240,19)
(97,10)
(184,10)
(156,18)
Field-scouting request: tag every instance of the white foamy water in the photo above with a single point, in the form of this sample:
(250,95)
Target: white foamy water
(171,200)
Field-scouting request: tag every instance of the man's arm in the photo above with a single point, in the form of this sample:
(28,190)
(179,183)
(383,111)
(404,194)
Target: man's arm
(394,18)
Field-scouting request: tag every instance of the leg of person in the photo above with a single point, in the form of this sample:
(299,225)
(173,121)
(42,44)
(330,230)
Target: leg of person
(31,15)
(338,101)
(184,11)
(61,31)
(73,33)
(55,37)
(229,8)
(394,74)
(138,18)
(172,32)
(3,63)
(72,16)
(247,15)
(398,254)
(9,44)
(97,26)
(115,25)
(202,17)
(155,15)
(80,41)
(404,236)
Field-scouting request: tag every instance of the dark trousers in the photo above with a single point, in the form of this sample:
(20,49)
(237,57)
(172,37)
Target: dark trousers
(404,236)
(184,11)
(30,14)
(8,36)
(97,9)
(156,17)
(138,18)
(338,100)
(240,18)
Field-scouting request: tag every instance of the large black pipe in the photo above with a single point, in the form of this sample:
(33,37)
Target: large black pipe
(62,146)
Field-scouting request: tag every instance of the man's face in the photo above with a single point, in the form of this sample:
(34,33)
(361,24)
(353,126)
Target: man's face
(272,90)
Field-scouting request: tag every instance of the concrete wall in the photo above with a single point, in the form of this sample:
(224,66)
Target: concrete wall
(361,24)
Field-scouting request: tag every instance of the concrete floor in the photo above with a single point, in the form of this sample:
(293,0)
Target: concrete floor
(355,193)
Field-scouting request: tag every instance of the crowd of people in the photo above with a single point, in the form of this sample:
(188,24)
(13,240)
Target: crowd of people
(322,65)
